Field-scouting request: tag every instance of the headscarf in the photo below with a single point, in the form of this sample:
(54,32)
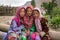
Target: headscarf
(28,20)
(29,6)
(37,20)
(17,16)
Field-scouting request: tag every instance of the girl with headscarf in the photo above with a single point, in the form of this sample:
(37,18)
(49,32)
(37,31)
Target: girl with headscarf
(17,21)
(28,20)
(40,29)
(37,17)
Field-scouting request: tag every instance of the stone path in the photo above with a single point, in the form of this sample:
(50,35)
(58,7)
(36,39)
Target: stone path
(6,19)
(55,35)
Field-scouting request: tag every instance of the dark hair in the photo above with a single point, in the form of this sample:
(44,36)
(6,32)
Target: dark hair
(35,10)
(44,25)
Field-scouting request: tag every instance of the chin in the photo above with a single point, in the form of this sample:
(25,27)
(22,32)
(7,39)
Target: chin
(29,15)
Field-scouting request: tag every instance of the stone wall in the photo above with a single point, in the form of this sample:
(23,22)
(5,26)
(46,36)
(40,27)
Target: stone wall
(7,11)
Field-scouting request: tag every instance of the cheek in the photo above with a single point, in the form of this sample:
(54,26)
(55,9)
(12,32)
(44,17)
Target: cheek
(22,13)
(29,12)
(36,15)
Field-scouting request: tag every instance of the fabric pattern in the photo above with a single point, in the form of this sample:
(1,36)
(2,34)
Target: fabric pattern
(28,21)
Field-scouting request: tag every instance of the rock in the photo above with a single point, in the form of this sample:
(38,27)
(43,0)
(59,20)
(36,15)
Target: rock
(4,27)
(55,35)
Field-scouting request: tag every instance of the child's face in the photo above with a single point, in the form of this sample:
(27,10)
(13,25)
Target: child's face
(22,12)
(36,14)
(29,12)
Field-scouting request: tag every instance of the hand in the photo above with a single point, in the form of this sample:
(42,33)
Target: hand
(27,31)
(17,35)
(37,33)
(11,38)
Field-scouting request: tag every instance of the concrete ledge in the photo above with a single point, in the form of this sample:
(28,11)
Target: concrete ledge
(55,35)
(4,27)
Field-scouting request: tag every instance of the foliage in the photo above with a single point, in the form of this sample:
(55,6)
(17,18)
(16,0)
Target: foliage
(53,13)
(55,21)
(49,6)
(56,11)
(33,3)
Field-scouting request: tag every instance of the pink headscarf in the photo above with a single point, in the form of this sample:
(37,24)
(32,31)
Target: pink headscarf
(28,20)
(29,6)
(17,17)
(37,21)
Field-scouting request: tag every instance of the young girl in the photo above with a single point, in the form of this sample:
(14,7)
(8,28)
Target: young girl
(28,21)
(39,22)
(37,15)
(15,27)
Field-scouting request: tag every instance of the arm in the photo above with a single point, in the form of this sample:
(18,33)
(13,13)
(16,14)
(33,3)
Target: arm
(13,27)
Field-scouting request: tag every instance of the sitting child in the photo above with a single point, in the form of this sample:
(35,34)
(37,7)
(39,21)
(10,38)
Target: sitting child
(37,17)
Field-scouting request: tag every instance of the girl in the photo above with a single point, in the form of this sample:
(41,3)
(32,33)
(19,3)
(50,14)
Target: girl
(37,15)
(28,21)
(15,27)
(38,18)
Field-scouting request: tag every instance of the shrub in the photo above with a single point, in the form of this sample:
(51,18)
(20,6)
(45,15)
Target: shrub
(33,3)
(55,21)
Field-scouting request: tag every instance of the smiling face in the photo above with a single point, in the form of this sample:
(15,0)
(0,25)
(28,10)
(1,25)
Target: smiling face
(35,14)
(29,11)
(22,12)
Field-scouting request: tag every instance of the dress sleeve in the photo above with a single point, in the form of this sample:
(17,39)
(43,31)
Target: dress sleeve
(14,27)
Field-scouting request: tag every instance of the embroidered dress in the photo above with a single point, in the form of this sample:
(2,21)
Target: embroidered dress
(15,27)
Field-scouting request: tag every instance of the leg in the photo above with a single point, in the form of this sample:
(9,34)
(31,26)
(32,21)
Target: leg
(3,35)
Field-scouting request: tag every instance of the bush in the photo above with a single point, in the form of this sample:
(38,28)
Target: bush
(56,11)
(49,6)
(55,21)
(33,3)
